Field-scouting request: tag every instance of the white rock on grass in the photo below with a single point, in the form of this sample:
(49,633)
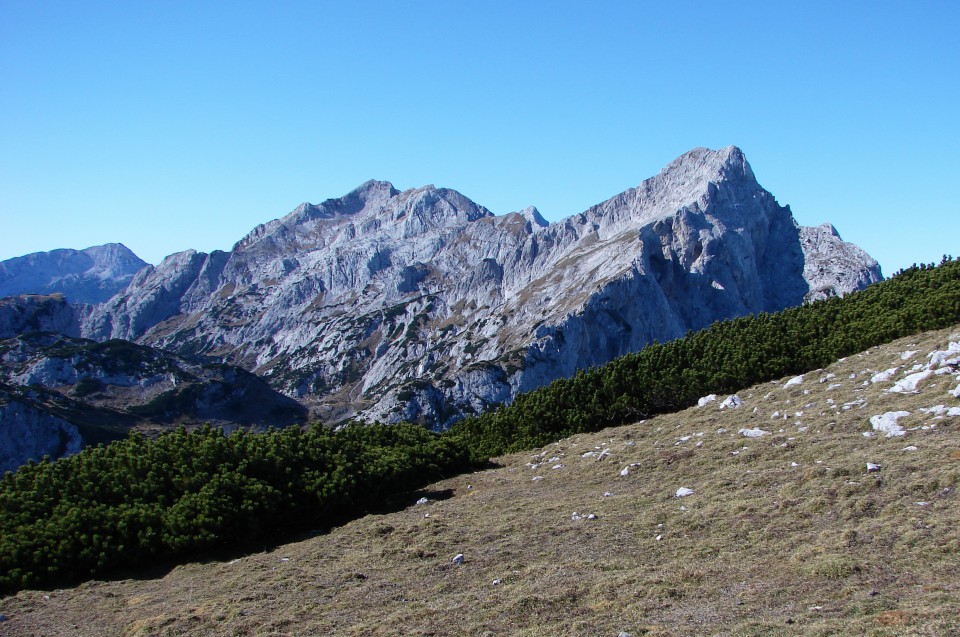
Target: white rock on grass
(753,433)
(683,492)
(956,392)
(706,400)
(949,356)
(884,376)
(872,467)
(887,423)
(796,380)
(908,384)
(940,410)
(423,501)
(732,402)
(458,558)
(907,355)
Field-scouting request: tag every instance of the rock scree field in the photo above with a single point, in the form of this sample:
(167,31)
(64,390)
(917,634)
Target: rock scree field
(818,504)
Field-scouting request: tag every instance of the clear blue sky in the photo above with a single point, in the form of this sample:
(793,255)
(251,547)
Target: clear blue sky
(173,125)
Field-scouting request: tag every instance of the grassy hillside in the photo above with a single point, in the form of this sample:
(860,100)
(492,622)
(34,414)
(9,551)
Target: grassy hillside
(141,502)
(787,533)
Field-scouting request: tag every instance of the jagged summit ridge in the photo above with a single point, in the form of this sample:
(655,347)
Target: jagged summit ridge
(423,305)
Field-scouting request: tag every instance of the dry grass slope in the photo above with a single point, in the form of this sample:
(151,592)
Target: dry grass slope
(785,534)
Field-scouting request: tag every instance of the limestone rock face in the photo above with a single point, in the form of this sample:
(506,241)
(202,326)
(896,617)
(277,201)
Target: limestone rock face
(35,313)
(834,267)
(59,393)
(83,276)
(422,305)
(28,432)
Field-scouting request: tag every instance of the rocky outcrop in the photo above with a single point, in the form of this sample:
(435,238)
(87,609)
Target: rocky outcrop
(83,276)
(833,267)
(30,432)
(423,305)
(35,313)
(61,393)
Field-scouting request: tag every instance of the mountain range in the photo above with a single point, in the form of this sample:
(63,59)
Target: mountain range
(422,305)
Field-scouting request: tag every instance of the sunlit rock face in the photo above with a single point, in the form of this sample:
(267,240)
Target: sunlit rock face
(422,305)
(83,276)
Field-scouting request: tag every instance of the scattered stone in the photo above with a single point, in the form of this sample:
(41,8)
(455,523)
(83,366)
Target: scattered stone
(940,410)
(796,380)
(423,501)
(458,558)
(731,402)
(753,433)
(625,471)
(949,356)
(907,355)
(908,385)
(683,492)
(536,478)
(910,448)
(887,423)
(557,466)
(884,376)
(659,537)
(607,494)
(497,582)
(706,400)
(872,468)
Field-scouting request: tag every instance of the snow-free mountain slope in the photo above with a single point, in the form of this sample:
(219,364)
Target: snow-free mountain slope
(423,305)
(787,531)
(59,394)
(83,276)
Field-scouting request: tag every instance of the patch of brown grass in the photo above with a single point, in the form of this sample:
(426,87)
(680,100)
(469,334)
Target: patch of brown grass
(787,534)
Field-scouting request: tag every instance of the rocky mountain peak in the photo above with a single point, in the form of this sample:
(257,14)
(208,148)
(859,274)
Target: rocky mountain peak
(91,276)
(422,305)
(531,214)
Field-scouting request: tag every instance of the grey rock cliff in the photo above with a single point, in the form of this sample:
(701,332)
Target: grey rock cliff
(59,393)
(423,305)
(834,267)
(35,313)
(83,276)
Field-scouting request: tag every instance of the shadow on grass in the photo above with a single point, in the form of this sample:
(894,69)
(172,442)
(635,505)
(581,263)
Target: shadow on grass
(389,505)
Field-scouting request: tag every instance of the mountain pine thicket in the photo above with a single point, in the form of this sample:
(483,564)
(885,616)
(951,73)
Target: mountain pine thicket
(139,501)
